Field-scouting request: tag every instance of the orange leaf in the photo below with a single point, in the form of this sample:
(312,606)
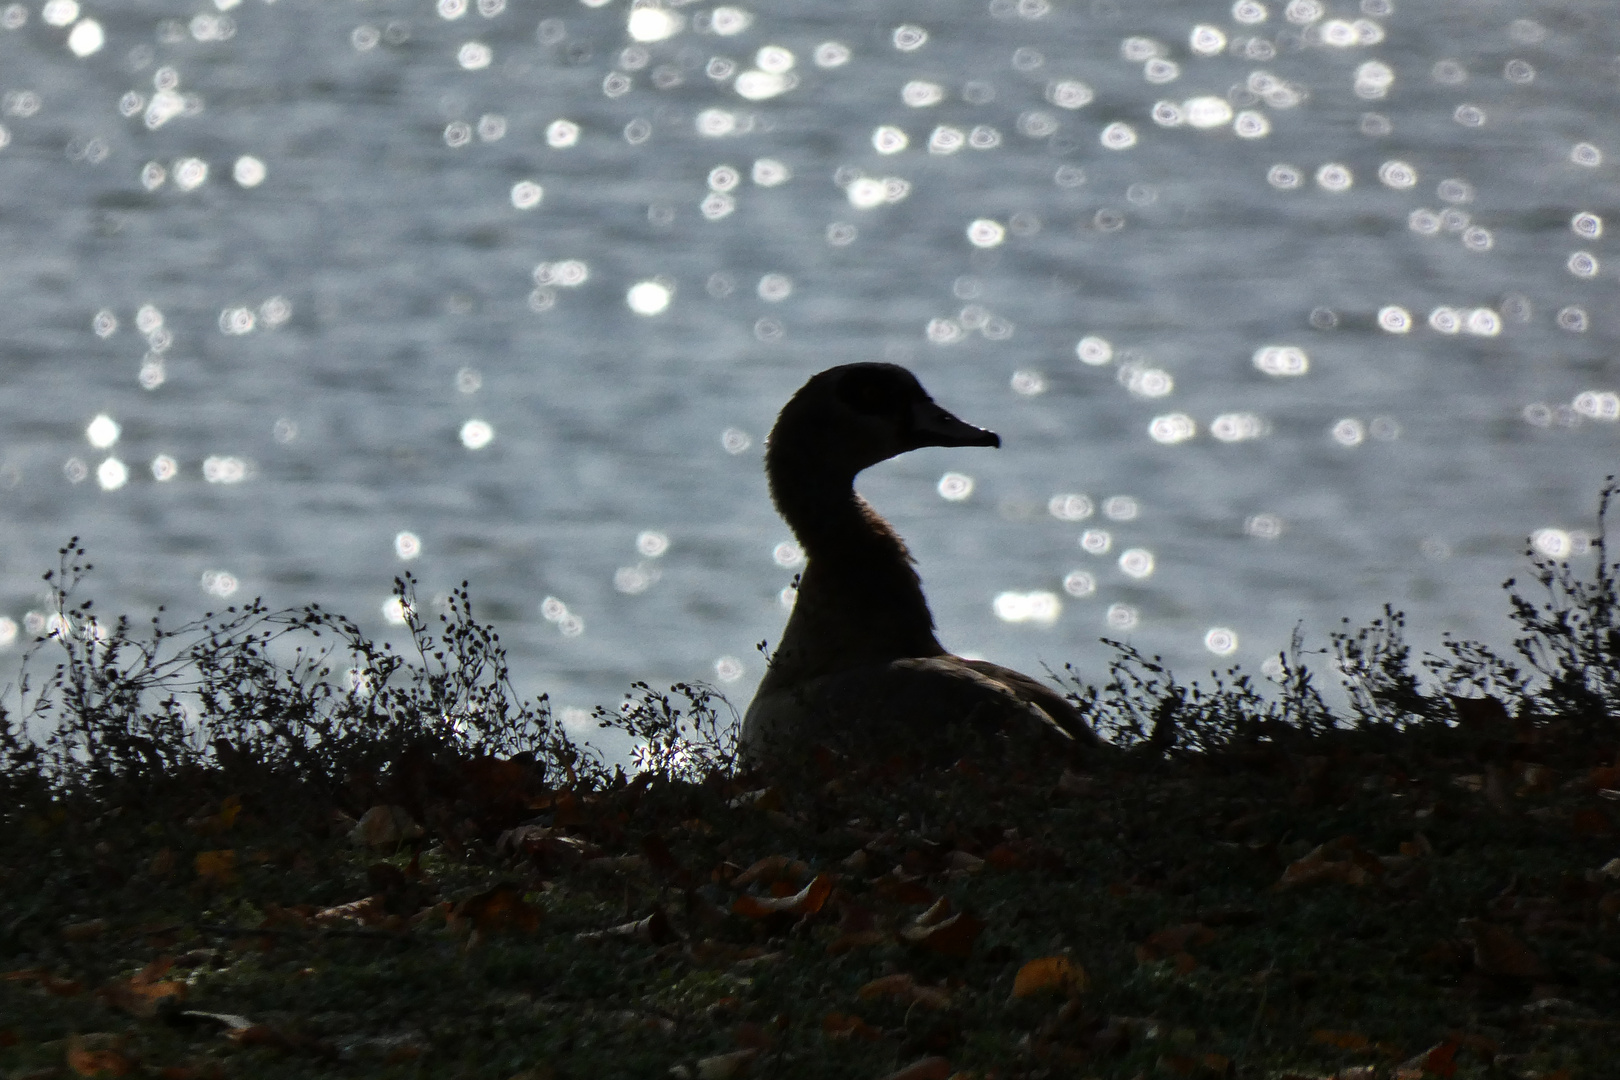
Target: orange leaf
(1343,1040)
(367,912)
(837,1025)
(1591,821)
(928,1068)
(218,867)
(1003,857)
(1056,974)
(499,908)
(772,868)
(1497,952)
(807,901)
(1440,1059)
(143,993)
(98,1062)
(898,985)
(953,937)
(84,931)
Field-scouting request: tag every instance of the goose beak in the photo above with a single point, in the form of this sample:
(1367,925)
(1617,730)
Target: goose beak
(933,426)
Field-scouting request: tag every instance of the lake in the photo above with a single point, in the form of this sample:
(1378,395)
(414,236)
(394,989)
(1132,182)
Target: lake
(1283,310)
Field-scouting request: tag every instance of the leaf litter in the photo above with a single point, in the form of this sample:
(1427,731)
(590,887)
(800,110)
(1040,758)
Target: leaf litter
(431,879)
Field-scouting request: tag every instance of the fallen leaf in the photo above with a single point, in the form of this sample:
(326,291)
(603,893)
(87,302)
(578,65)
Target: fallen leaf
(1173,943)
(1438,1060)
(144,993)
(1342,1040)
(1341,860)
(98,1055)
(162,863)
(211,821)
(1049,974)
(726,1066)
(836,1025)
(901,887)
(384,826)
(1075,784)
(1498,952)
(499,908)
(772,868)
(937,912)
(216,867)
(367,912)
(1590,821)
(928,1068)
(807,901)
(655,929)
(907,989)
(84,931)
(953,937)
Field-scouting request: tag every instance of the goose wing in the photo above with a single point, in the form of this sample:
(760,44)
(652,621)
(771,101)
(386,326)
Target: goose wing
(1037,694)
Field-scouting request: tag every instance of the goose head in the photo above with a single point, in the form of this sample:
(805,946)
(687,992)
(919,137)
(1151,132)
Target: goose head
(848,418)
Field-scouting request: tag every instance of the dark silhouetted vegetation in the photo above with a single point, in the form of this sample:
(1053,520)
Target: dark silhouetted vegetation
(263,844)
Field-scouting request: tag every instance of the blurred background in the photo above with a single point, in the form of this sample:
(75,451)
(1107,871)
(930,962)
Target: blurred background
(1284,309)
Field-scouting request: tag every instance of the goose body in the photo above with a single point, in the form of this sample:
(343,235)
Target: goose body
(859,661)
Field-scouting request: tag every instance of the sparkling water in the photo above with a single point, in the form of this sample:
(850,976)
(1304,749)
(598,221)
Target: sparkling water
(1283,309)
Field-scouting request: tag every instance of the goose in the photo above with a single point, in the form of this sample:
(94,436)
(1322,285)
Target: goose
(859,662)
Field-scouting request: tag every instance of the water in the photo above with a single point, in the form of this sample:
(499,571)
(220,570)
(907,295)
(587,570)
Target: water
(497,291)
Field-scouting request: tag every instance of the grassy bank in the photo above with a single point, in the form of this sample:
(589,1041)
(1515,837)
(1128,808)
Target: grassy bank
(265,846)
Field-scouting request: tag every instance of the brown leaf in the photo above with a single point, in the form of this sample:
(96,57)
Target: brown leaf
(836,1025)
(1497,952)
(1174,941)
(907,989)
(1341,860)
(210,822)
(807,901)
(1076,784)
(1590,821)
(98,1056)
(896,985)
(1049,974)
(953,937)
(928,1068)
(162,863)
(143,993)
(655,929)
(658,855)
(726,1066)
(385,826)
(1438,1060)
(367,912)
(84,931)
(901,887)
(772,868)
(216,867)
(1342,1040)
(938,912)
(499,908)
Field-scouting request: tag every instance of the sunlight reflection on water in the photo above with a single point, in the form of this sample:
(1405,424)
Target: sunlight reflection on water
(1169,251)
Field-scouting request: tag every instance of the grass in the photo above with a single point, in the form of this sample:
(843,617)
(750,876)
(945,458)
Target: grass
(264,846)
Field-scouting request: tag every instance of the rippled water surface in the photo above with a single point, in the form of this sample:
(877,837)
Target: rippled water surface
(1283,310)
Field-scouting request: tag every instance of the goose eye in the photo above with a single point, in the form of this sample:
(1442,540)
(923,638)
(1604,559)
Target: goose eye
(871,393)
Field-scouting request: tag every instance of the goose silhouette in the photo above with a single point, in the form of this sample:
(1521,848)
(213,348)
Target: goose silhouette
(859,663)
